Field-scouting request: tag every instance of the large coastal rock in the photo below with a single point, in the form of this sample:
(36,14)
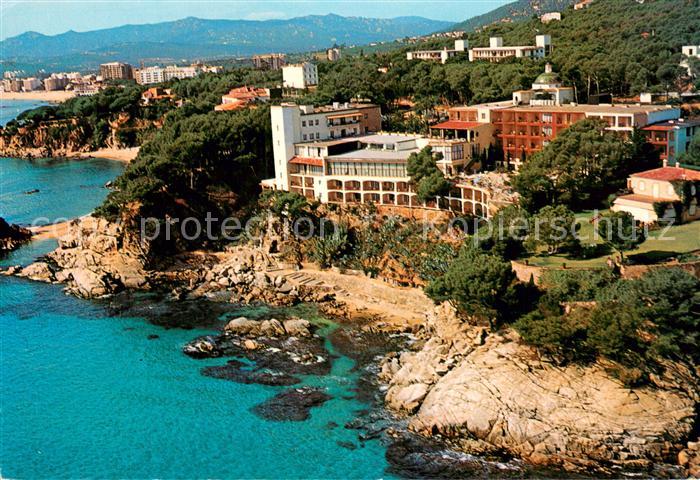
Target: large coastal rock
(12,236)
(491,393)
(94,258)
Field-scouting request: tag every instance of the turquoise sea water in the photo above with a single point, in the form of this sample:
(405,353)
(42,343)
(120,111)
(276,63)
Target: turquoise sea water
(86,394)
(9,109)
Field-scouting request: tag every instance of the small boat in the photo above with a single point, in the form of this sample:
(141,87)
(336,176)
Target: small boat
(31,192)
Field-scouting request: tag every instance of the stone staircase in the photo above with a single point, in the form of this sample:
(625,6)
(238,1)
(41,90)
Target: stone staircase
(301,278)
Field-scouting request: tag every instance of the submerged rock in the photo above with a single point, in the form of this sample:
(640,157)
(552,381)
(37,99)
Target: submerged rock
(282,353)
(235,371)
(291,405)
(413,456)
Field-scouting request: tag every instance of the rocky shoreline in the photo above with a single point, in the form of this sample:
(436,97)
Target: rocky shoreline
(12,236)
(455,390)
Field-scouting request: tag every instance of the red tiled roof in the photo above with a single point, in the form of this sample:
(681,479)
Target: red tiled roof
(246,93)
(316,162)
(230,106)
(669,174)
(457,125)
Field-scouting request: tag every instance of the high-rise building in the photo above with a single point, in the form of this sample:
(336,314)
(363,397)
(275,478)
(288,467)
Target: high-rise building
(271,61)
(116,71)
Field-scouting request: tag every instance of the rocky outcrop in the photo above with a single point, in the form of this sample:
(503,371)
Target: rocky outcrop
(94,258)
(243,275)
(65,138)
(12,236)
(489,392)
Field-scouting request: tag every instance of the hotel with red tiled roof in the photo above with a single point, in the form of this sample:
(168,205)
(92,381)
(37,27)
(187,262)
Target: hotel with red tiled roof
(655,192)
(535,117)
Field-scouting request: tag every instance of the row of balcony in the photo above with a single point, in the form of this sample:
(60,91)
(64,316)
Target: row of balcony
(405,200)
(369,185)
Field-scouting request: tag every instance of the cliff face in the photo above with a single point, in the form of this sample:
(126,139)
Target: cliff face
(63,138)
(57,139)
(491,393)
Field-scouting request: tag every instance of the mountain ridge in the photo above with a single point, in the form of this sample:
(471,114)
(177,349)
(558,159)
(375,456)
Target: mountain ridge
(207,38)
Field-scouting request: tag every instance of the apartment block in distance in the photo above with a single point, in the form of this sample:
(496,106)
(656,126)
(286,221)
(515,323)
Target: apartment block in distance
(300,75)
(496,51)
(270,61)
(116,71)
(337,154)
(439,55)
(156,74)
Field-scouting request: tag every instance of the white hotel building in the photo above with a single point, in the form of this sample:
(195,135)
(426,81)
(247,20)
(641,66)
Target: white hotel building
(335,155)
(496,51)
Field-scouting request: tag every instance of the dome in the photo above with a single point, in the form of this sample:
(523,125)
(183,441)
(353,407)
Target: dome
(548,78)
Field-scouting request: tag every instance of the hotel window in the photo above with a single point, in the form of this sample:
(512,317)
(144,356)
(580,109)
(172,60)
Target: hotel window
(318,135)
(641,186)
(366,116)
(305,137)
(303,123)
(547,118)
(547,131)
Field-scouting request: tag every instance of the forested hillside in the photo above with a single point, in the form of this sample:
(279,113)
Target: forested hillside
(513,12)
(616,46)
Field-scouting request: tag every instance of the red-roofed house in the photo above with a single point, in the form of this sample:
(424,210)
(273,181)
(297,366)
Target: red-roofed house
(662,193)
(242,97)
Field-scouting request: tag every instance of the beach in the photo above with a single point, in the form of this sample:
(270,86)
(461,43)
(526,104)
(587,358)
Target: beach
(56,96)
(125,155)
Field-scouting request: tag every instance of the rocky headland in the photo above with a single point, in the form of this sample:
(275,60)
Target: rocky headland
(457,389)
(489,393)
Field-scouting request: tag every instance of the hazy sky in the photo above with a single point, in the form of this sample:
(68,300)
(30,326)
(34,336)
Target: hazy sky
(57,16)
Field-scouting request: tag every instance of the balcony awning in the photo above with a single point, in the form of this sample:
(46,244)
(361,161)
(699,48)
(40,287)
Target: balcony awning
(314,162)
(457,125)
(343,115)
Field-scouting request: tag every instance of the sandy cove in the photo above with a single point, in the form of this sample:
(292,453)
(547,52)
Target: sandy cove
(57,96)
(53,231)
(125,155)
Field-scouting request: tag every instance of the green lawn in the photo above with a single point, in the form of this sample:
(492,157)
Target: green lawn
(658,247)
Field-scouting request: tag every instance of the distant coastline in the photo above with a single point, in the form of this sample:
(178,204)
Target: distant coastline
(57,96)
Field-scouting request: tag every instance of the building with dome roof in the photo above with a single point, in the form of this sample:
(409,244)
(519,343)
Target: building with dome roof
(533,118)
(546,91)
